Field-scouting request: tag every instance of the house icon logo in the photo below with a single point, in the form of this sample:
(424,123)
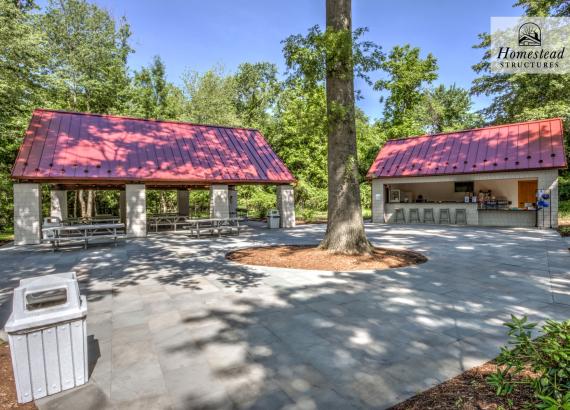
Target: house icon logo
(530,35)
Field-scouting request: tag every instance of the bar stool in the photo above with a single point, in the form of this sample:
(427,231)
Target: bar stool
(399,216)
(444,216)
(415,216)
(428,216)
(461,216)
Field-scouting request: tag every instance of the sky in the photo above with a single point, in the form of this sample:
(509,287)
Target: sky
(197,34)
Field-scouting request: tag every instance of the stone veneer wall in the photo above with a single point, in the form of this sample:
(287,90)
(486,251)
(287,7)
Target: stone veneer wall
(27,214)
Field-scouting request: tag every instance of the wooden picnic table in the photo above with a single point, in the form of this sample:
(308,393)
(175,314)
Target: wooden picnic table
(82,233)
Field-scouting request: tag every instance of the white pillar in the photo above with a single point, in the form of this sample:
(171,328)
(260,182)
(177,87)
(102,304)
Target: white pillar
(183,202)
(286,206)
(58,207)
(27,214)
(219,201)
(122,206)
(233,200)
(136,210)
(378,201)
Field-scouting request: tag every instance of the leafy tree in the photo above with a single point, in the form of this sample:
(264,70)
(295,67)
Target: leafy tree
(21,77)
(210,97)
(153,96)
(407,75)
(87,53)
(545,8)
(521,97)
(447,109)
(298,135)
(256,90)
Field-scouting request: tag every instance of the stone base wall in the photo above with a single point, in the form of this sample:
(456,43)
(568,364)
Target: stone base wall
(286,206)
(135,195)
(27,214)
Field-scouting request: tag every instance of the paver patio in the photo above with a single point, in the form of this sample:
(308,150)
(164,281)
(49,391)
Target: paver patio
(172,324)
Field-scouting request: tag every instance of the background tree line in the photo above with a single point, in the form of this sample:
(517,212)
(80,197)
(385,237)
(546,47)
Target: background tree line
(73,55)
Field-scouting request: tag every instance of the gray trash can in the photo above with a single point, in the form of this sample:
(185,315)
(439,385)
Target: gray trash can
(273,219)
(48,336)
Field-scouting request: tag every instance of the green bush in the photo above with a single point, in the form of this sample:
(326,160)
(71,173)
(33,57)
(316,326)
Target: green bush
(547,357)
(564,188)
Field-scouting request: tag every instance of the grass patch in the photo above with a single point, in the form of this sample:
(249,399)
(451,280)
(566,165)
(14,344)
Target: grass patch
(6,237)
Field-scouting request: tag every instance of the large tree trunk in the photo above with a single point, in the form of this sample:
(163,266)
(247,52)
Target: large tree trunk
(345,228)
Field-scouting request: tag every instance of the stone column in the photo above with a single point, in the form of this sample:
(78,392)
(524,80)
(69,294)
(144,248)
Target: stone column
(378,201)
(286,206)
(58,207)
(219,201)
(27,214)
(183,202)
(136,210)
(233,200)
(123,206)
(548,180)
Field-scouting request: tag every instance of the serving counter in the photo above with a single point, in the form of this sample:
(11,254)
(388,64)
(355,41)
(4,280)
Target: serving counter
(474,214)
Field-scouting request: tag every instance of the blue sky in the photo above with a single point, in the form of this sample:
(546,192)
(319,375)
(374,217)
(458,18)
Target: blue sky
(196,34)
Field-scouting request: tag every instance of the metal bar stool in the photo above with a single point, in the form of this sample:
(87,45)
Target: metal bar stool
(399,216)
(414,216)
(461,216)
(444,216)
(428,216)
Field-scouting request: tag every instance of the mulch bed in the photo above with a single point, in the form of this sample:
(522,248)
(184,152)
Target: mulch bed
(313,258)
(8,399)
(468,391)
(3,242)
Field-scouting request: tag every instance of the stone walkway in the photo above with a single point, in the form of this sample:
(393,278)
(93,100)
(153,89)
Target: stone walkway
(172,324)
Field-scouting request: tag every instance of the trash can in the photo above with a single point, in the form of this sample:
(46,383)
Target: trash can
(47,333)
(273,219)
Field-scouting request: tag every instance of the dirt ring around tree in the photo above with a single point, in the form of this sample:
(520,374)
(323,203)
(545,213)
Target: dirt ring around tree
(310,257)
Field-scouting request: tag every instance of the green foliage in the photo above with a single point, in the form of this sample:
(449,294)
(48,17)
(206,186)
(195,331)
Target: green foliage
(521,97)
(447,109)
(258,200)
(210,97)
(307,56)
(256,91)
(87,54)
(407,74)
(547,357)
(152,96)
(544,8)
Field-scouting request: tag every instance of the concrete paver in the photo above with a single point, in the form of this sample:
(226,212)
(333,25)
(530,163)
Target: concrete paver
(172,324)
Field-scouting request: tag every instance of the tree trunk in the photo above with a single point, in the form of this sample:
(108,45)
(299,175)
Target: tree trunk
(75,201)
(163,206)
(90,203)
(82,203)
(345,228)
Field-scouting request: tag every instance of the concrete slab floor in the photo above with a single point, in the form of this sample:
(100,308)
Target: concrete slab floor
(173,325)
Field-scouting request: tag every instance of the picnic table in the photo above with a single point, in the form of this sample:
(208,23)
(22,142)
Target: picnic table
(172,220)
(90,221)
(56,234)
(213,226)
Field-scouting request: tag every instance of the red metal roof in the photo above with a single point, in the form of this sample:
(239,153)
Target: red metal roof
(527,145)
(61,146)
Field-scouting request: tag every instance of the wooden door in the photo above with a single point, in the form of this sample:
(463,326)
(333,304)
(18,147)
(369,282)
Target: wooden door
(527,192)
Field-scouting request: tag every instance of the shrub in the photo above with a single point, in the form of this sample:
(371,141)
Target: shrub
(547,358)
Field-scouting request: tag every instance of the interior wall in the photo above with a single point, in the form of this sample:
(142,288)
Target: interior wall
(444,191)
